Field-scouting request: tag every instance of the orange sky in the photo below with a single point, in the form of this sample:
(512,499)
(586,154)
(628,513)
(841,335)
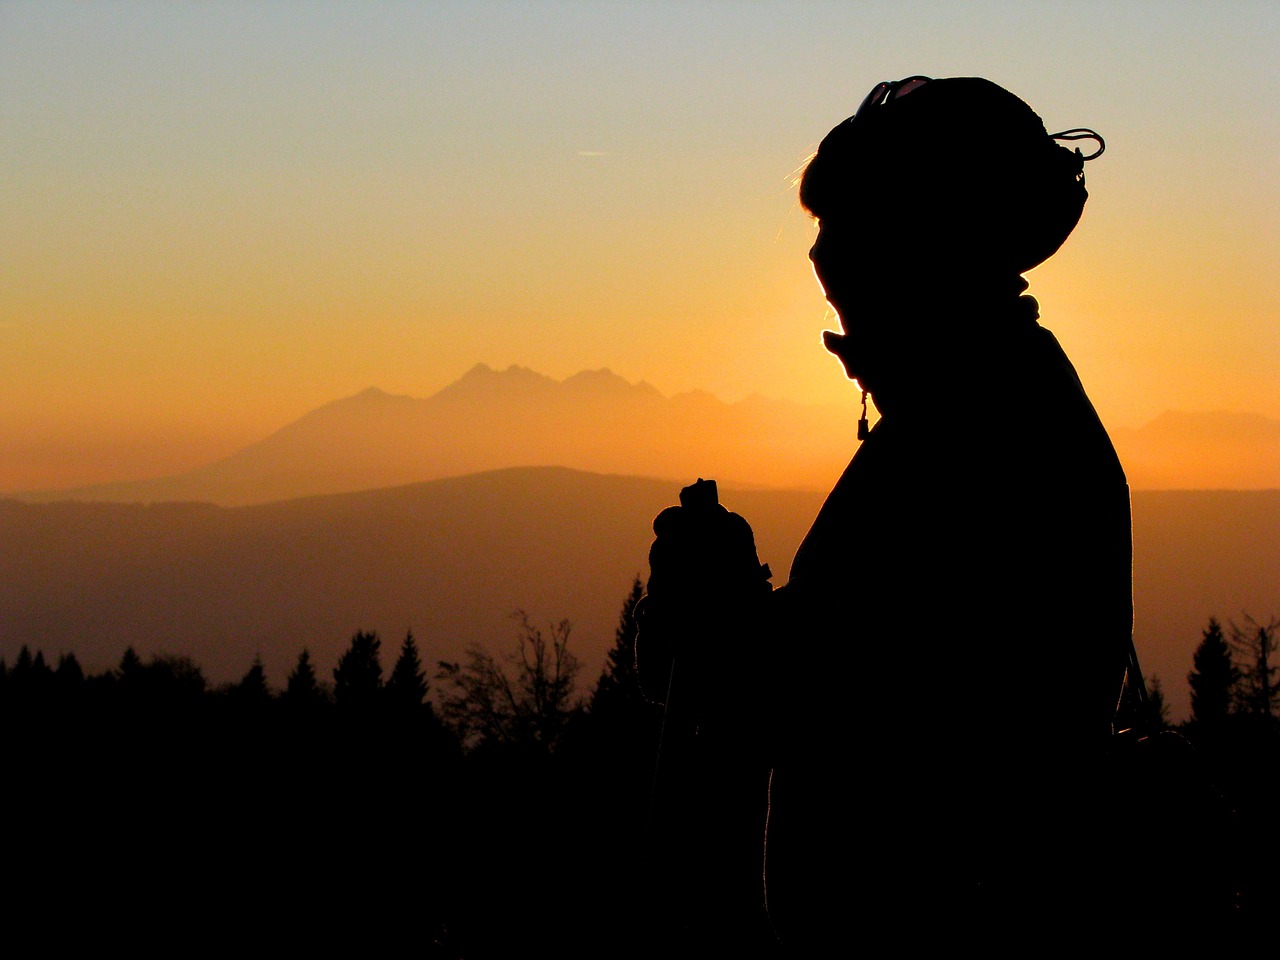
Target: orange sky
(217,217)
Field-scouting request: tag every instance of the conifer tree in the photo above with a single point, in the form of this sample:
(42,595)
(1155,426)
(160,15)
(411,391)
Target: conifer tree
(406,688)
(618,689)
(357,679)
(302,689)
(1212,679)
(29,679)
(130,665)
(252,688)
(69,672)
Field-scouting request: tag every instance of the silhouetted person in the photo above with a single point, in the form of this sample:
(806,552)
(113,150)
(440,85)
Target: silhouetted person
(940,673)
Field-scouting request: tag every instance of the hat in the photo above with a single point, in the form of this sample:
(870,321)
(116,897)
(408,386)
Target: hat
(957,165)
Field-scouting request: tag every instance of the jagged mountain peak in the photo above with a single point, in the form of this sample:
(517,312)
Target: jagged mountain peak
(483,379)
(604,382)
(376,395)
(604,377)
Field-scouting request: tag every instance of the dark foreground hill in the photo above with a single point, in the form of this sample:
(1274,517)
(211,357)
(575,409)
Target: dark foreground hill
(449,559)
(452,559)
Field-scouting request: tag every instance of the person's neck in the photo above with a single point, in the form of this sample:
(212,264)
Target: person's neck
(945,339)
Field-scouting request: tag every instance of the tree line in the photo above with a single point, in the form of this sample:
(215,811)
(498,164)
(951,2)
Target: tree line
(486,807)
(459,809)
(1234,678)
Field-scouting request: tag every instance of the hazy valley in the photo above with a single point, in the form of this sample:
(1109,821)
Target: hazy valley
(452,559)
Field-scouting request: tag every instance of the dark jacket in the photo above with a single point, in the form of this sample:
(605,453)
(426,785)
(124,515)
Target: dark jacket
(951,645)
(922,707)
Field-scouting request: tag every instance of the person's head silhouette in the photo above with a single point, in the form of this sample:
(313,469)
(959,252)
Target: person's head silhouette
(935,195)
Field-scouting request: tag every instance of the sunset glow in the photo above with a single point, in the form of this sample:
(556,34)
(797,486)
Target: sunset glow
(217,218)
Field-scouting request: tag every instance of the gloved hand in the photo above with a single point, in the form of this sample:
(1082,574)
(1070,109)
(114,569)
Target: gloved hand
(705,581)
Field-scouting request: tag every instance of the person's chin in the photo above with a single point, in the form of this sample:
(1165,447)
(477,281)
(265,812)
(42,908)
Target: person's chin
(839,346)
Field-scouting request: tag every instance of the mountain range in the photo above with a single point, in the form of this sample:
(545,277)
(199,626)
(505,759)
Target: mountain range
(507,490)
(488,420)
(599,422)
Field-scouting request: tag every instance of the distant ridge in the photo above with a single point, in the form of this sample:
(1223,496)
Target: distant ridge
(451,559)
(1217,451)
(489,419)
(598,421)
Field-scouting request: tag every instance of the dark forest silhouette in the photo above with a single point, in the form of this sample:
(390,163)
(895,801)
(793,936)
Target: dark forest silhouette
(352,810)
(145,804)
